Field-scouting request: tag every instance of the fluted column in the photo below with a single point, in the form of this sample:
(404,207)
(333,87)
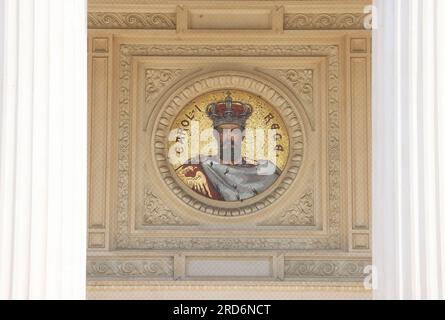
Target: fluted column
(409,149)
(43,164)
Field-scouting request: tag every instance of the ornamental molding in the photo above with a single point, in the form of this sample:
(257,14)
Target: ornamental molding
(121,20)
(129,268)
(162,268)
(325,269)
(168,21)
(126,242)
(123,239)
(324,21)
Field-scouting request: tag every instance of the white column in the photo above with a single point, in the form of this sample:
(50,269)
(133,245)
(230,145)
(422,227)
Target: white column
(409,149)
(43,146)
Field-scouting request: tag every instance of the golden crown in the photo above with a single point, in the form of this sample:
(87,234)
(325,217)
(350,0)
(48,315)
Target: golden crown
(229,112)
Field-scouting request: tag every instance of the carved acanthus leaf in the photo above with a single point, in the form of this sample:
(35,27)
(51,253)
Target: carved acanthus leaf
(301,82)
(300,213)
(156,79)
(157,213)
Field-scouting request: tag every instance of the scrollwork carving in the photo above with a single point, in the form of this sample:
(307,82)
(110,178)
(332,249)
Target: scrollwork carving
(324,21)
(325,269)
(130,268)
(156,79)
(301,80)
(120,20)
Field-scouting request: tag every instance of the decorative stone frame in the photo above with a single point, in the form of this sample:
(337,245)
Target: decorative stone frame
(124,238)
(208,82)
(121,252)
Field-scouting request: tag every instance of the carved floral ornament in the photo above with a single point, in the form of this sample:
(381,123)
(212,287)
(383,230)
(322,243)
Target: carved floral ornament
(227,81)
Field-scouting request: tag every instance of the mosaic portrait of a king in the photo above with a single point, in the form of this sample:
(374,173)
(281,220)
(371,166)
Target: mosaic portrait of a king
(229,146)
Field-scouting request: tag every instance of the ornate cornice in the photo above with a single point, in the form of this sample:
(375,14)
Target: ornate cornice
(120,20)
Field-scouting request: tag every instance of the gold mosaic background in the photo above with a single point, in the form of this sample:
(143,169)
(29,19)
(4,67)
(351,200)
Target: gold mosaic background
(195,111)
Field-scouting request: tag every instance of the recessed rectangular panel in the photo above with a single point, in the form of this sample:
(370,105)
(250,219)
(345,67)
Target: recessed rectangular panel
(230,19)
(360,157)
(228,267)
(98,141)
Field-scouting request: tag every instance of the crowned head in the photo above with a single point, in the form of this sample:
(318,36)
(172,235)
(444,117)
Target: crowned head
(229,113)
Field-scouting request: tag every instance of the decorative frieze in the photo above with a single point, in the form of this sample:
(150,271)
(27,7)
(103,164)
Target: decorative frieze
(167,21)
(130,268)
(324,21)
(122,20)
(325,269)
(125,241)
